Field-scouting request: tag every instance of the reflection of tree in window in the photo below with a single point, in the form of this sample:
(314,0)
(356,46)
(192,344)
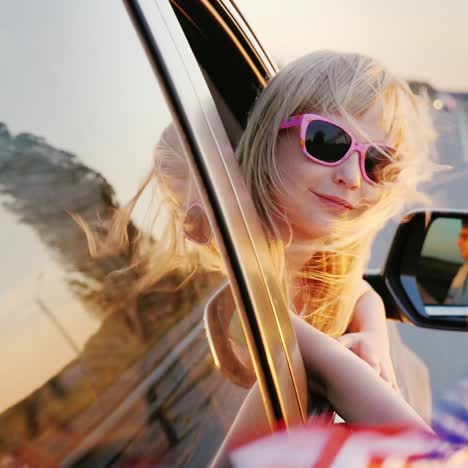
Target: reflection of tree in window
(43,185)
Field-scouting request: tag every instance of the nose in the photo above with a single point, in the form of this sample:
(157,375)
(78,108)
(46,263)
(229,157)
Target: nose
(348,173)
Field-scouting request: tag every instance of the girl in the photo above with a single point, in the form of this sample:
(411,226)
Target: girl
(334,147)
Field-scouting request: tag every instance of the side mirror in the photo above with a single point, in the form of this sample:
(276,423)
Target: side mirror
(425,278)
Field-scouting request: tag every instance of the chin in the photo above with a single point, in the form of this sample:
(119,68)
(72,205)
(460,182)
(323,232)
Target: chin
(309,232)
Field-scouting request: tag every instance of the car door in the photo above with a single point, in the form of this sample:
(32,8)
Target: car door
(93,374)
(258,292)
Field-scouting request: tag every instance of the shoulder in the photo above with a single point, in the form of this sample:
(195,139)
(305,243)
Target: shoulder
(368,298)
(369,310)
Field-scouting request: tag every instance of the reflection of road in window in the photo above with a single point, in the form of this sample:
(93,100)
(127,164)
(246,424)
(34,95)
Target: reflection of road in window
(26,329)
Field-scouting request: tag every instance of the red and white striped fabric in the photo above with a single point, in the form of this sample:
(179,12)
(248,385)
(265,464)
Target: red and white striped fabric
(318,445)
(322,445)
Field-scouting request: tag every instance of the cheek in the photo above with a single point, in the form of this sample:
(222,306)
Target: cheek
(293,166)
(286,161)
(301,173)
(370,195)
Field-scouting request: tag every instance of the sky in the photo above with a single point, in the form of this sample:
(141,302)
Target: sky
(416,39)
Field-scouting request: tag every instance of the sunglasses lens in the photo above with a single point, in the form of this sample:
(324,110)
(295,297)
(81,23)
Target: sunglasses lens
(377,159)
(326,142)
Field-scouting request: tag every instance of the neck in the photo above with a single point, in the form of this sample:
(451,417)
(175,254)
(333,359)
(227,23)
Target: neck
(297,255)
(299,249)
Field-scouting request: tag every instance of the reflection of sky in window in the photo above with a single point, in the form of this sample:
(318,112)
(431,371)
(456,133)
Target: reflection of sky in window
(75,74)
(83,87)
(441,240)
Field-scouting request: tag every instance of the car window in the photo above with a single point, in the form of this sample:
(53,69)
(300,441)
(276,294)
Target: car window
(102,363)
(234,65)
(234,69)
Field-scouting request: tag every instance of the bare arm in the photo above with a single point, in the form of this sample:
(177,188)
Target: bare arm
(356,392)
(351,386)
(369,313)
(368,335)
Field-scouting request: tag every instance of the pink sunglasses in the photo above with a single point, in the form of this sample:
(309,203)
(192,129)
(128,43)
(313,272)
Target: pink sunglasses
(329,144)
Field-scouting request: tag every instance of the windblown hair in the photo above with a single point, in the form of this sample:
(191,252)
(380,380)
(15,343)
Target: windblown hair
(347,84)
(325,83)
(160,248)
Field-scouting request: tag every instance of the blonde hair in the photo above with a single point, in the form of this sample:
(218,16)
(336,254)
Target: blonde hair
(347,84)
(321,82)
(154,256)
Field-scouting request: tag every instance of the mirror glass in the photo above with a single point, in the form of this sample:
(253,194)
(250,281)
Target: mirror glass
(442,273)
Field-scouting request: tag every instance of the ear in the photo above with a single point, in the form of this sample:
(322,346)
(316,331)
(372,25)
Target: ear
(196,226)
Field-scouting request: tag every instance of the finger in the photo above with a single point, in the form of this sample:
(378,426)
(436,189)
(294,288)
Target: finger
(385,374)
(370,357)
(395,383)
(388,374)
(350,340)
(375,365)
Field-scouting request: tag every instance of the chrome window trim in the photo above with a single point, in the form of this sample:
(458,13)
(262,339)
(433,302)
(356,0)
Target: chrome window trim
(249,35)
(284,390)
(446,310)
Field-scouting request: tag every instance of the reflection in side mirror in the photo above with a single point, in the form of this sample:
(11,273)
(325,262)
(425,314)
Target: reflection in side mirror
(425,278)
(442,273)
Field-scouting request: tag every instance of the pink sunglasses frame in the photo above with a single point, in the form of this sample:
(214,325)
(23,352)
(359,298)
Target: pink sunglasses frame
(303,120)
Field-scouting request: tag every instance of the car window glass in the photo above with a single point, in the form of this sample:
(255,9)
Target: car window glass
(101,362)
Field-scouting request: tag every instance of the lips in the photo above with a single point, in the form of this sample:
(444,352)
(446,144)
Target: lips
(331,201)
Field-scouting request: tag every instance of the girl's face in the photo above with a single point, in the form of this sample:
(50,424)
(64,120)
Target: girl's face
(317,196)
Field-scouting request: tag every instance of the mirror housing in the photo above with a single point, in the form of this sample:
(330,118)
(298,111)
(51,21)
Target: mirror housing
(418,278)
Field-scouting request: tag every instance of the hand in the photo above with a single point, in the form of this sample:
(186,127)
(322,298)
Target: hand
(371,350)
